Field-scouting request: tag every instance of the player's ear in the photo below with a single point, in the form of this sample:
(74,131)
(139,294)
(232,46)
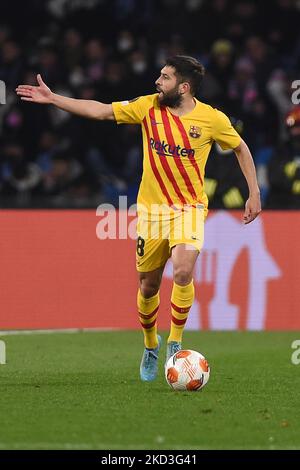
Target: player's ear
(184,87)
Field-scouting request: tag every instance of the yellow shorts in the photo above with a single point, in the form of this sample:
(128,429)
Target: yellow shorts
(156,238)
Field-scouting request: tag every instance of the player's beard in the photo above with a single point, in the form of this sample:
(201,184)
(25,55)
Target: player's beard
(172,98)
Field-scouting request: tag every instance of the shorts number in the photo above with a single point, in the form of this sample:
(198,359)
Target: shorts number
(140,244)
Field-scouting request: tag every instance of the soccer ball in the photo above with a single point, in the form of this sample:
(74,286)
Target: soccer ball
(187,370)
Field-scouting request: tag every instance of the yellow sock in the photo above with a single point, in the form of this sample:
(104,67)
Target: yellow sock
(148,315)
(181,301)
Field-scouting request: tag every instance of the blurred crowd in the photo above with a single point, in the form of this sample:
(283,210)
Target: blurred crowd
(110,50)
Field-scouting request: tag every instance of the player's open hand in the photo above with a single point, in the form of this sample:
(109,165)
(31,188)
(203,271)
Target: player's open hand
(252,208)
(36,94)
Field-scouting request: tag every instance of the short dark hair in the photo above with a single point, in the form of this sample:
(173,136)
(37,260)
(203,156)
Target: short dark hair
(187,69)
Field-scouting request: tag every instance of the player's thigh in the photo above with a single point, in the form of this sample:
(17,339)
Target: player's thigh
(188,229)
(186,241)
(152,252)
(184,257)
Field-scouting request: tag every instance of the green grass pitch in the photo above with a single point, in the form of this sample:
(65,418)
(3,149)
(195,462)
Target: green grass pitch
(82,391)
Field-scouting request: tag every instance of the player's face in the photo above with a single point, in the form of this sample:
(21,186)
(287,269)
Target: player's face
(168,88)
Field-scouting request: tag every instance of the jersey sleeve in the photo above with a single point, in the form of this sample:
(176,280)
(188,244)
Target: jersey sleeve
(132,111)
(224,133)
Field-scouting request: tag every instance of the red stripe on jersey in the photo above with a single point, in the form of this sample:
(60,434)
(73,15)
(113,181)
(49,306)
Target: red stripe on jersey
(180,309)
(154,167)
(147,317)
(178,322)
(178,161)
(187,144)
(164,161)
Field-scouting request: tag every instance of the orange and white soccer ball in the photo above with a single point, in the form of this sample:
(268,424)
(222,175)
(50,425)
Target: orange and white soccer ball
(187,370)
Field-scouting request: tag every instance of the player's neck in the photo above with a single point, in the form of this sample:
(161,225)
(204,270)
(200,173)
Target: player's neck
(187,105)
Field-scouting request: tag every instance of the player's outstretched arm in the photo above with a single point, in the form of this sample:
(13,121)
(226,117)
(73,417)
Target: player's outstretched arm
(253,204)
(85,108)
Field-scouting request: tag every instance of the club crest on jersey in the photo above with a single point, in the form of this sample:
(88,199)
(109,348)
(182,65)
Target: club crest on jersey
(195,132)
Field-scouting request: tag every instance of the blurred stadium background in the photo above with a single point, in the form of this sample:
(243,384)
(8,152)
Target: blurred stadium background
(113,50)
(49,159)
(83,391)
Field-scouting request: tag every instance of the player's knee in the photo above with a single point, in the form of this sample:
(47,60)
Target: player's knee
(182,276)
(148,289)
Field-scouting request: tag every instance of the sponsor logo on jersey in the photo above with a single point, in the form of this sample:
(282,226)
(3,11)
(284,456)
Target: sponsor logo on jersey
(164,149)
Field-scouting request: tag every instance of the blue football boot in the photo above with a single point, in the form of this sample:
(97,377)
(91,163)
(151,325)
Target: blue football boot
(149,363)
(172,348)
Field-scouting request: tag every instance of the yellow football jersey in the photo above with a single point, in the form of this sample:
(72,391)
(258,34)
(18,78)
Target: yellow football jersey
(175,150)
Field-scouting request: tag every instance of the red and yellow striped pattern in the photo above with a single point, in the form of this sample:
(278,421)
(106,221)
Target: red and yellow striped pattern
(148,320)
(148,309)
(181,302)
(175,150)
(179,314)
(178,179)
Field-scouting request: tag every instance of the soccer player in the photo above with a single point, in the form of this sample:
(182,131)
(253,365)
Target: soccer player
(178,131)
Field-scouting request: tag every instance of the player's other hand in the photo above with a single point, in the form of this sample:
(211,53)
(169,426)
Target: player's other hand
(252,208)
(36,94)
